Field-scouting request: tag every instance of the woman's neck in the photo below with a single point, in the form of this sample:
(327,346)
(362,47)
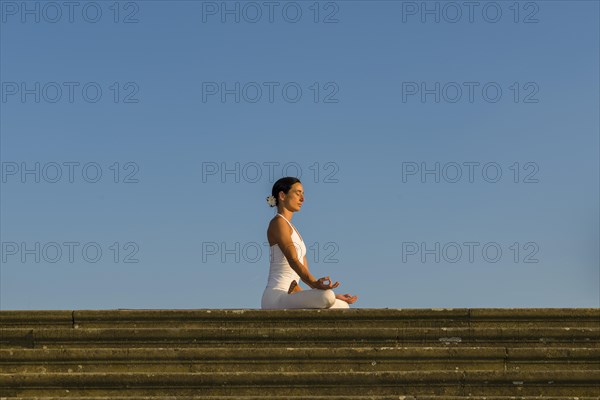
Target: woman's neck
(287,214)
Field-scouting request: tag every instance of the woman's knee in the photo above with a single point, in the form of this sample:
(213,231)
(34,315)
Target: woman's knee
(340,304)
(329,298)
(314,298)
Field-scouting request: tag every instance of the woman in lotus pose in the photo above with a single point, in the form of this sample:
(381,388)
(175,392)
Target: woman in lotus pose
(287,249)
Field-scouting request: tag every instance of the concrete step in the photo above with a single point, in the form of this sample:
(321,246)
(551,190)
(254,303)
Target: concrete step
(160,336)
(421,354)
(296,359)
(359,317)
(555,383)
(308,397)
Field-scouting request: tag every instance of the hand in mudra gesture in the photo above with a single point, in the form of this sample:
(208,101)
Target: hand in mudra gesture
(348,298)
(320,284)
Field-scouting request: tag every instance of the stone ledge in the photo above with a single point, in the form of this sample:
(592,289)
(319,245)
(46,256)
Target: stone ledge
(308,397)
(79,316)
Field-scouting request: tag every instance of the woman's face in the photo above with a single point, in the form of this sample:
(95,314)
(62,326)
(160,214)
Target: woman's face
(294,198)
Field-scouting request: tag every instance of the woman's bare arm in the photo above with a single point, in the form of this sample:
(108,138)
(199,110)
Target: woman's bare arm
(306,265)
(281,232)
(297,287)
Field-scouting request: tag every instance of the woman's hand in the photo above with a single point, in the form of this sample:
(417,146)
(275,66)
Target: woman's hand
(320,284)
(346,297)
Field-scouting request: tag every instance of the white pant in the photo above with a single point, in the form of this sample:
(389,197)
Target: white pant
(311,298)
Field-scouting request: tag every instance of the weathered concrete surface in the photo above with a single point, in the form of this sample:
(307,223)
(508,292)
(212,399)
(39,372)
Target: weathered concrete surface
(324,397)
(365,316)
(423,354)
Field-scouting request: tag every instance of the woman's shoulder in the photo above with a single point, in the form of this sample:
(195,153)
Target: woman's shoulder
(277,222)
(277,227)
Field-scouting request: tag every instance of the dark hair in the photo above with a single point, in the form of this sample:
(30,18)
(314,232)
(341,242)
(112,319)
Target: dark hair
(283,185)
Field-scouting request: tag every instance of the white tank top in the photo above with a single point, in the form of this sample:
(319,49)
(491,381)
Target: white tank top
(281,274)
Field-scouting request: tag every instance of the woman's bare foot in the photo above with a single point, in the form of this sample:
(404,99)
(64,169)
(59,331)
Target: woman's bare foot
(293,287)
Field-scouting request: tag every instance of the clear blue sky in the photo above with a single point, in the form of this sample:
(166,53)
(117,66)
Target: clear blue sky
(370,101)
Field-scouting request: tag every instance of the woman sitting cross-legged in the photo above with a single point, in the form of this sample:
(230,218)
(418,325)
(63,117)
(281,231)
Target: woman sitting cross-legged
(286,250)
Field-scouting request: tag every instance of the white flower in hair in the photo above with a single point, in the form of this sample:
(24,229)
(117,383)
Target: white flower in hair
(272,201)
